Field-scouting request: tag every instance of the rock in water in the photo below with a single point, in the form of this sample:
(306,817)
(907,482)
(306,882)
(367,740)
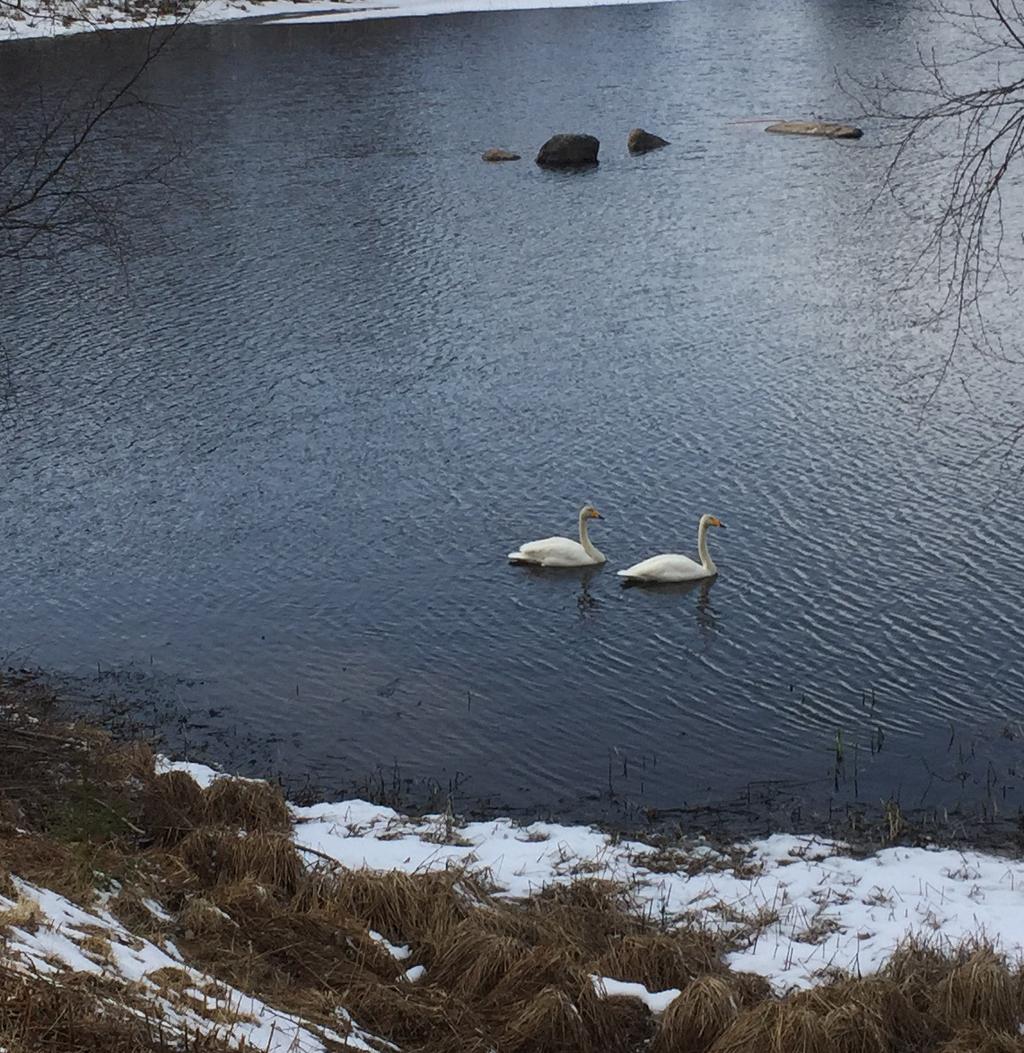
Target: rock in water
(641,142)
(496,154)
(824,129)
(569,151)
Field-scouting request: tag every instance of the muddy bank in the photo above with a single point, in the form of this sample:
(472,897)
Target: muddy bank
(138,708)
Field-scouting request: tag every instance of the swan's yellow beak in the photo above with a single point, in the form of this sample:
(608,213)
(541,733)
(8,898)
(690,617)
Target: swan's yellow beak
(595,514)
(715,521)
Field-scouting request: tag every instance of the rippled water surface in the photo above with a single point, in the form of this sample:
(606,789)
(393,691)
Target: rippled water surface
(272,473)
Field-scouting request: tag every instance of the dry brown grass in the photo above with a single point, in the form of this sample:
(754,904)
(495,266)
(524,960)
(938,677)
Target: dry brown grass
(129,908)
(8,889)
(172,806)
(67,869)
(402,907)
(247,804)
(23,913)
(501,975)
(775,1027)
(856,1028)
(217,855)
(881,1005)
(750,988)
(982,1040)
(83,1014)
(476,961)
(97,947)
(981,990)
(661,960)
(554,1021)
(123,761)
(202,918)
(916,968)
(695,1020)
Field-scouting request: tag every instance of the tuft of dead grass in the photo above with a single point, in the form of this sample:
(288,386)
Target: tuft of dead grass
(981,991)
(549,1023)
(200,917)
(219,855)
(750,988)
(541,967)
(98,948)
(418,907)
(476,961)
(877,1002)
(661,960)
(982,1040)
(627,1025)
(916,967)
(8,889)
(775,1027)
(172,806)
(705,1008)
(24,913)
(856,1028)
(247,804)
(128,760)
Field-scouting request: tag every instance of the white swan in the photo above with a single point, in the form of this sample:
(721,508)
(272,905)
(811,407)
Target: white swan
(562,551)
(671,567)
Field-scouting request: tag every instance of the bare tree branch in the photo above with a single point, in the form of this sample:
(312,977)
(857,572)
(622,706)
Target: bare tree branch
(960,113)
(56,195)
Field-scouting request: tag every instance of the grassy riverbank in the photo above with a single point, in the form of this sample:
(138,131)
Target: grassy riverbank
(148,909)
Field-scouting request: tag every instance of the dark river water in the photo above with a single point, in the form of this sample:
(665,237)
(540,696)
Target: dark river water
(268,472)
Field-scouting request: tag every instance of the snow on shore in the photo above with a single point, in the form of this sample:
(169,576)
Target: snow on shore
(797,907)
(413,8)
(53,18)
(54,935)
(50,18)
(807,904)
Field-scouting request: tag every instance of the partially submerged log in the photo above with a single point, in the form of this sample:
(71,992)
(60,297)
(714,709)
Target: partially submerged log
(497,154)
(822,129)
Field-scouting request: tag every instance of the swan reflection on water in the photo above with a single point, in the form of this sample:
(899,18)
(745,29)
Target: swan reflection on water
(583,576)
(661,594)
(704,613)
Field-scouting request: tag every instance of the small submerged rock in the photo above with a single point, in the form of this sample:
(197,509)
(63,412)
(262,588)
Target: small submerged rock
(823,129)
(641,142)
(569,151)
(497,154)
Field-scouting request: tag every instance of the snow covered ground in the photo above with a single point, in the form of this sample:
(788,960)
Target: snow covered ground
(47,18)
(49,934)
(799,909)
(807,904)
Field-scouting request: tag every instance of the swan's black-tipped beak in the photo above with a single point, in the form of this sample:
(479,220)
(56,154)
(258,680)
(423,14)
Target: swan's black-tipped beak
(721,524)
(597,515)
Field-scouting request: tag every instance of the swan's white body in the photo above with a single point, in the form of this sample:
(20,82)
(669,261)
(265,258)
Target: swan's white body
(562,551)
(671,567)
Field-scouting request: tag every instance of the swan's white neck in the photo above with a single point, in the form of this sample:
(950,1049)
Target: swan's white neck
(588,547)
(702,547)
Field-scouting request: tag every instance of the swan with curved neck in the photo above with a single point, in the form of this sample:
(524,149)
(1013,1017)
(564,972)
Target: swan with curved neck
(562,551)
(672,567)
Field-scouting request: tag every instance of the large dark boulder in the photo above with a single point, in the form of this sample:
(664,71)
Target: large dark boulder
(569,151)
(497,154)
(823,129)
(641,142)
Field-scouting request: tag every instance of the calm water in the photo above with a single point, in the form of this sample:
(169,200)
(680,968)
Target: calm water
(274,476)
